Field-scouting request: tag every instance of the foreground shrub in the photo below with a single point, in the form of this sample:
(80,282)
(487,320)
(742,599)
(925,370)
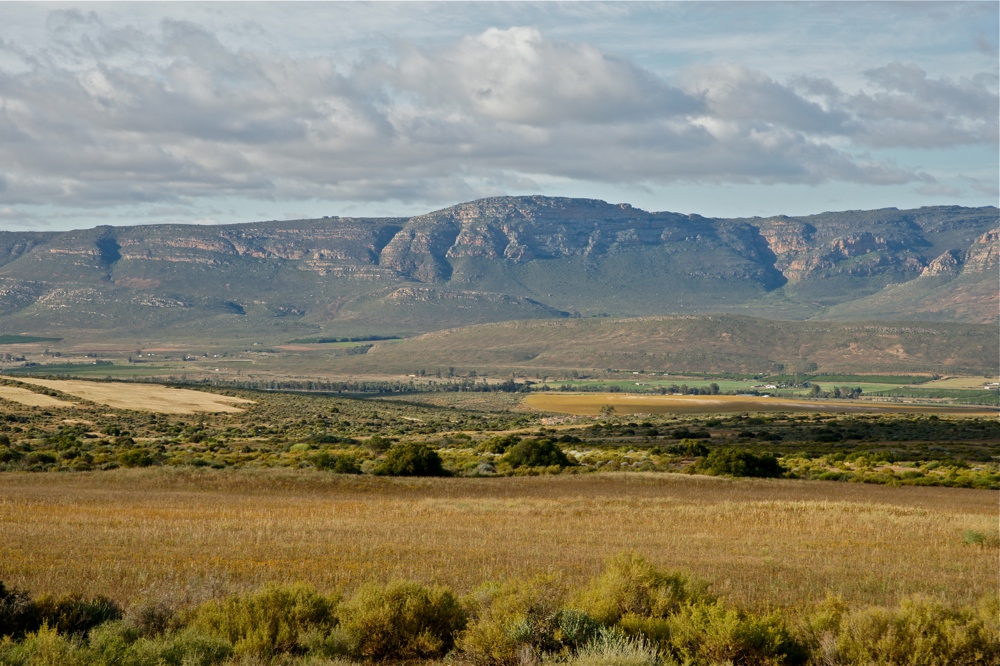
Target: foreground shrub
(411,459)
(736,462)
(714,632)
(632,586)
(120,644)
(921,631)
(515,620)
(75,614)
(401,620)
(615,648)
(536,453)
(17,612)
(268,622)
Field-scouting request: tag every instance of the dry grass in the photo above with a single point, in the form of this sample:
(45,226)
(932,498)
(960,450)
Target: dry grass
(957,383)
(185,534)
(590,404)
(30,398)
(144,397)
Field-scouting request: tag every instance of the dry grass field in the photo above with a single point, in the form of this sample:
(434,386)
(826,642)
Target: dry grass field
(30,398)
(591,404)
(144,397)
(183,534)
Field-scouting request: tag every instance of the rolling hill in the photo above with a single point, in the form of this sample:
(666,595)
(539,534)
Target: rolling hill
(695,343)
(494,260)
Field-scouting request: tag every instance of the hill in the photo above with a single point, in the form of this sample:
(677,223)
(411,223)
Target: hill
(686,343)
(499,259)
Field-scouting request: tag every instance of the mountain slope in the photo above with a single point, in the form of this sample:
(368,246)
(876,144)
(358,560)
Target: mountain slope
(710,343)
(495,260)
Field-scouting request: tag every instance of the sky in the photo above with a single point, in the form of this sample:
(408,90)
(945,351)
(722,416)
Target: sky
(210,112)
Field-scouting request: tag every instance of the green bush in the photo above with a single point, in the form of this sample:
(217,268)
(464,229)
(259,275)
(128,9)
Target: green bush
(536,453)
(737,462)
(136,458)
(268,622)
(74,614)
(411,459)
(920,631)
(342,464)
(498,444)
(508,618)
(402,620)
(631,585)
(714,632)
(121,645)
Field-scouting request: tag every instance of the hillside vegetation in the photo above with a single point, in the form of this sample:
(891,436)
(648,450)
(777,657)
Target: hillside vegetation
(717,343)
(500,259)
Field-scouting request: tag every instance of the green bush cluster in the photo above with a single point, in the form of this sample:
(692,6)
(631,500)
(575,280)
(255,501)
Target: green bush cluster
(411,459)
(633,614)
(729,461)
(71,614)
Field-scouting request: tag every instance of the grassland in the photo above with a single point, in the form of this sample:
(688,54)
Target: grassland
(188,534)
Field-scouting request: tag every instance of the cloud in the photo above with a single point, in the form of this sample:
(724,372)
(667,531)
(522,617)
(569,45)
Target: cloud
(517,75)
(101,115)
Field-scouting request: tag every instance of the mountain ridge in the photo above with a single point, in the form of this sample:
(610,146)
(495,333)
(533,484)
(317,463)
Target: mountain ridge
(498,259)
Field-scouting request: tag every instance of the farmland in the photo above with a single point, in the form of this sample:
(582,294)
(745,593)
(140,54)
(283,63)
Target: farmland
(592,404)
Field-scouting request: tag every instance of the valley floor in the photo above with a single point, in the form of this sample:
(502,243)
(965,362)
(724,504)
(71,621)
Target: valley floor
(183,535)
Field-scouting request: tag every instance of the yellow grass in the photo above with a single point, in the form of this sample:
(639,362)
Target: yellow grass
(30,398)
(185,534)
(590,404)
(957,383)
(144,397)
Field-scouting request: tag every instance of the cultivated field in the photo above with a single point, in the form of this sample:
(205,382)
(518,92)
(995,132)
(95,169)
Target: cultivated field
(30,398)
(145,397)
(186,534)
(591,404)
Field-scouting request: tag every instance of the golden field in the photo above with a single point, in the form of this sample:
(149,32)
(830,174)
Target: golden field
(590,404)
(145,397)
(183,534)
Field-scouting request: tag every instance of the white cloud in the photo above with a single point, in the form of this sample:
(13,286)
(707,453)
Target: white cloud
(103,115)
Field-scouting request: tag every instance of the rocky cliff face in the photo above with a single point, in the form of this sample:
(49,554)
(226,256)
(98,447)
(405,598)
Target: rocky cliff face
(504,257)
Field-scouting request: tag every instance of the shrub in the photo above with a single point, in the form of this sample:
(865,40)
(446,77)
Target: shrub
(614,648)
(74,614)
(920,631)
(342,464)
(17,613)
(401,620)
(411,459)
(736,462)
(509,618)
(267,622)
(135,458)
(119,644)
(536,453)
(44,647)
(631,585)
(150,619)
(713,632)
(499,444)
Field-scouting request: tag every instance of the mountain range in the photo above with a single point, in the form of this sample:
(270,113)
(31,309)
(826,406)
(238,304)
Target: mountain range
(493,260)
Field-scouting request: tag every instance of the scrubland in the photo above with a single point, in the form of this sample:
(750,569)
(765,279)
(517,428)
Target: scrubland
(135,537)
(747,557)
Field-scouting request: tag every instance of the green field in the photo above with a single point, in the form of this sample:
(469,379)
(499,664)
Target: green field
(10,339)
